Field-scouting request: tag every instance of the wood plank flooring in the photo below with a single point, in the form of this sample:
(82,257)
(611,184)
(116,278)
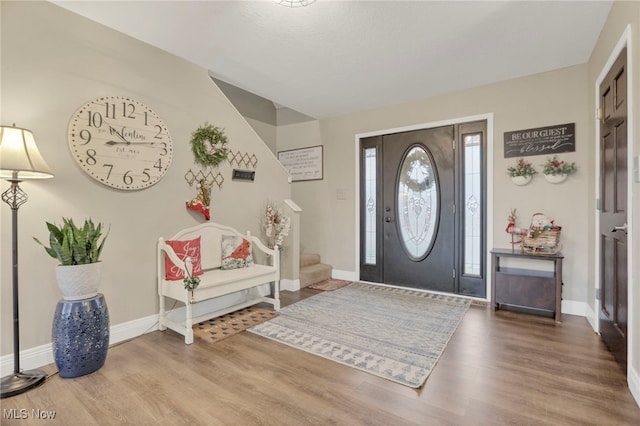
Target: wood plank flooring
(501,368)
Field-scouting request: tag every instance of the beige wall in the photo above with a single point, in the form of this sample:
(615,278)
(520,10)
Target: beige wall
(328,224)
(52,62)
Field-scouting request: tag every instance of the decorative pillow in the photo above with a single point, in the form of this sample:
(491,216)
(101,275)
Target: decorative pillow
(184,249)
(236,252)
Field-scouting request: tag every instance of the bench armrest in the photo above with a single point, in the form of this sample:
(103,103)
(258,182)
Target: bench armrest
(274,253)
(185,265)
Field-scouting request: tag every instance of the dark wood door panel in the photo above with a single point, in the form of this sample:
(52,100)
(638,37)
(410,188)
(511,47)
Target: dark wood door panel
(613,309)
(434,271)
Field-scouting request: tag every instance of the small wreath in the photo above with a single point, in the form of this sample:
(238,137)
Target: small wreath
(209,145)
(424,180)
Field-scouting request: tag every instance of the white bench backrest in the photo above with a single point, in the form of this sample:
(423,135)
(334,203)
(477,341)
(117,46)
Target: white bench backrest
(210,241)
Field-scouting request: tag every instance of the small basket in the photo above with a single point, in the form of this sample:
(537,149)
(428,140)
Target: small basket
(541,241)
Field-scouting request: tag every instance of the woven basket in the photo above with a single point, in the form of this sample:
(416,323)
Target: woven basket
(546,242)
(542,241)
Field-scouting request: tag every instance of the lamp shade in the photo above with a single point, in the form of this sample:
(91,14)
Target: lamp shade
(19,155)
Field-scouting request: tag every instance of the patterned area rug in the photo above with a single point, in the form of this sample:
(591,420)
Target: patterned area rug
(220,328)
(393,333)
(329,285)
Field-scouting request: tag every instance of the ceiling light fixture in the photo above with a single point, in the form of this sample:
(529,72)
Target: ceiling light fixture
(295,3)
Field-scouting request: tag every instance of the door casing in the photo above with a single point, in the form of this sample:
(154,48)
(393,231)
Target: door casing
(489,181)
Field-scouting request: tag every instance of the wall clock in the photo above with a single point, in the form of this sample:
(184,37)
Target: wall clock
(120,142)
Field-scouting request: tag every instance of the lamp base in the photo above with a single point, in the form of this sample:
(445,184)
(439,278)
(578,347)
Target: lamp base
(18,383)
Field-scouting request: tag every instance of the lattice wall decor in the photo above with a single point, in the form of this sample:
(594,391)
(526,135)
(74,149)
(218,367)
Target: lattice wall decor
(209,177)
(240,159)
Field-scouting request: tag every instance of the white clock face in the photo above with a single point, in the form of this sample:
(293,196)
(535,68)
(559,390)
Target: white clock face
(120,142)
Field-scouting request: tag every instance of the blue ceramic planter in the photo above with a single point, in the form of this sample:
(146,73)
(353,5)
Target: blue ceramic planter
(80,336)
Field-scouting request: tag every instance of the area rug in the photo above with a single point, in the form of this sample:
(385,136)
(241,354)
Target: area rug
(329,285)
(396,334)
(224,326)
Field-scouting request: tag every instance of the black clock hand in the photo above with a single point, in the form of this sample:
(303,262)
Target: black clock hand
(128,143)
(117,133)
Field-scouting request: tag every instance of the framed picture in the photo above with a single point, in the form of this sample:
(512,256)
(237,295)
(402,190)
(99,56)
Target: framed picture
(303,163)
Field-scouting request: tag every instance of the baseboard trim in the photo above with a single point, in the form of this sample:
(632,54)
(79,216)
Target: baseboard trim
(633,378)
(290,285)
(337,274)
(592,318)
(572,307)
(43,355)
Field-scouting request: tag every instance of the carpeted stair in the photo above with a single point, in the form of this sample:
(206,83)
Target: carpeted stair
(312,271)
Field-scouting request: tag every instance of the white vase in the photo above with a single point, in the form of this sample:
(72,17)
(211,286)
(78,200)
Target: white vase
(521,180)
(555,178)
(78,282)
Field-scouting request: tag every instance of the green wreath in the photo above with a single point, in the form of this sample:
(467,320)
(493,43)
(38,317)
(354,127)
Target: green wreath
(209,145)
(420,160)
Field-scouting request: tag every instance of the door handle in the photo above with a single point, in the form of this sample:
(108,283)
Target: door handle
(620,228)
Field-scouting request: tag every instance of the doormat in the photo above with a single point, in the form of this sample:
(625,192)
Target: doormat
(219,328)
(329,285)
(393,333)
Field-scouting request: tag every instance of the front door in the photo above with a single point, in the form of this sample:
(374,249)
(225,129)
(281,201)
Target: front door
(613,210)
(418,199)
(407,221)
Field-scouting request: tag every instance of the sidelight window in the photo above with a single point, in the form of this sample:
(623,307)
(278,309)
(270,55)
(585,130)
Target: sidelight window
(370,155)
(473,208)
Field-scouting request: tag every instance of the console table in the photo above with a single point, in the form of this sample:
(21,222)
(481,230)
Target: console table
(527,288)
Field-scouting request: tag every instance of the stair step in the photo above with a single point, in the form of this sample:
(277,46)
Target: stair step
(313,274)
(308,259)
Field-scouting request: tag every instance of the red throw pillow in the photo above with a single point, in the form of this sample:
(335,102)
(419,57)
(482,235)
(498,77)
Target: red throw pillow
(184,249)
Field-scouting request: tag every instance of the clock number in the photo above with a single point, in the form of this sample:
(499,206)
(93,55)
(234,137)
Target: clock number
(128,180)
(158,164)
(95,119)
(85,135)
(146,118)
(110,108)
(128,109)
(110,166)
(164,149)
(159,127)
(148,176)
(91,157)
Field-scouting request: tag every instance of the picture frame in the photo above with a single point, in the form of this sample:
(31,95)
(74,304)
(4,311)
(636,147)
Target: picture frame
(303,164)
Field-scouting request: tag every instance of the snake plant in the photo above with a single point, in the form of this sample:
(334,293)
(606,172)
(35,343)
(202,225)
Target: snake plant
(72,245)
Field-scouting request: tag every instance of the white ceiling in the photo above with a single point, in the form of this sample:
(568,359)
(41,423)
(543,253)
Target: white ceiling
(335,57)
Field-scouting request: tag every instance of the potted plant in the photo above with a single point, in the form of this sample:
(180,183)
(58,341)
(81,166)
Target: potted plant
(78,251)
(522,172)
(556,171)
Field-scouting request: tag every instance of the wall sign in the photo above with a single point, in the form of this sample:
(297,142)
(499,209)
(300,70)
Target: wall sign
(248,175)
(541,140)
(304,163)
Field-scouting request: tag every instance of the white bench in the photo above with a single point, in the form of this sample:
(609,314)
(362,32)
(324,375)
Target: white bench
(215,282)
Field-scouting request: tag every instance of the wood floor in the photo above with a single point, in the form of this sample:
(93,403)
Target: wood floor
(502,368)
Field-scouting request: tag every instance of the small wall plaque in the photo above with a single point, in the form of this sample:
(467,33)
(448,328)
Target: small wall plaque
(248,175)
(303,163)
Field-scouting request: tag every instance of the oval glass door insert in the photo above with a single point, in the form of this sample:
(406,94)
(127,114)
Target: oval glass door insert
(417,202)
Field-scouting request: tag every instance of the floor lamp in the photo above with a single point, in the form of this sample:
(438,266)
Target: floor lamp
(19,160)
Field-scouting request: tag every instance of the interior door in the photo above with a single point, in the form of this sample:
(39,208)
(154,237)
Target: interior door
(613,210)
(418,201)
